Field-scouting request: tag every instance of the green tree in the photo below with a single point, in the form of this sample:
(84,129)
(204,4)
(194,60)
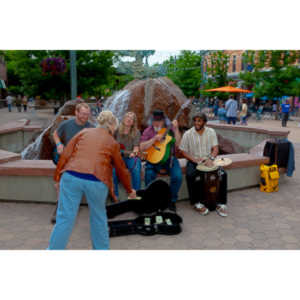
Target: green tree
(217,70)
(185,71)
(273,73)
(95,72)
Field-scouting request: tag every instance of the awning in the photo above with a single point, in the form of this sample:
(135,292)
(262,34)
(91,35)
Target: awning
(2,84)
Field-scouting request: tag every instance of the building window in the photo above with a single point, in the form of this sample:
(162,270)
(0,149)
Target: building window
(233,63)
(243,63)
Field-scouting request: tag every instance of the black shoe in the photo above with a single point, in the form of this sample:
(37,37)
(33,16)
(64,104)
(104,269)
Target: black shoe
(172,207)
(53,219)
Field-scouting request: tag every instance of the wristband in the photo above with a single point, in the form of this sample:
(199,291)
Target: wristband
(60,143)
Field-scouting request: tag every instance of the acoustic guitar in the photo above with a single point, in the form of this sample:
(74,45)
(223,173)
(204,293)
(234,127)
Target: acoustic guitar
(160,152)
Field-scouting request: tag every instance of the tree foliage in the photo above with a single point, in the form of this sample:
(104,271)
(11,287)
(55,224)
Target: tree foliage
(272,73)
(95,73)
(185,71)
(217,70)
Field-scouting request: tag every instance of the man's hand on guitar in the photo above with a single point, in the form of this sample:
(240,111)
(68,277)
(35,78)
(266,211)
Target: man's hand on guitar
(175,124)
(158,138)
(60,149)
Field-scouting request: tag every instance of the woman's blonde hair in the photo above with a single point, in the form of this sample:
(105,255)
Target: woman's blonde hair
(134,129)
(106,118)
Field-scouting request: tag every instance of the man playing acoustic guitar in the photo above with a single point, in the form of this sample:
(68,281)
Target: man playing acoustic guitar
(158,141)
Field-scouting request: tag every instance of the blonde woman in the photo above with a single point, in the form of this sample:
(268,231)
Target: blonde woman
(244,112)
(128,137)
(85,168)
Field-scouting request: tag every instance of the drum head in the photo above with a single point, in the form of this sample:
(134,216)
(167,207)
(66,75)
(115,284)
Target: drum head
(222,162)
(203,168)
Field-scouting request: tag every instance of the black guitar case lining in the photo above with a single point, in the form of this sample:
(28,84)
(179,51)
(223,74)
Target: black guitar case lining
(160,223)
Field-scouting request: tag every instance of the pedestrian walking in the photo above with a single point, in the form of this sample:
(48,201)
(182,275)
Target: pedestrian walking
(244,112)
(285,109)
(231,107)
(9,101)
(25,102)
(19,103)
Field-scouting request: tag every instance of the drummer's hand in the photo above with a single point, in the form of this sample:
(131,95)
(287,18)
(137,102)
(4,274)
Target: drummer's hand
(175,124)
(199,160)
(132,195)
(209,163)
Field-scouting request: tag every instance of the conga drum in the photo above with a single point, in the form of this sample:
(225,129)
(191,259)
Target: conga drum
(211,185)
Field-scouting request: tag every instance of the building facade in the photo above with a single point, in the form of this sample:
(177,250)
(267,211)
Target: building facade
(237,63)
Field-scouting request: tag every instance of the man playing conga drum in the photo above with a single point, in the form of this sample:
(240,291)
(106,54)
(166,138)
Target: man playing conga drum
(199,145)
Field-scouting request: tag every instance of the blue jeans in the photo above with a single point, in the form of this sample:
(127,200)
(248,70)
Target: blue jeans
(134,166)
(244,120)
(231,119)
(175,174)
(9,107)
(70,193)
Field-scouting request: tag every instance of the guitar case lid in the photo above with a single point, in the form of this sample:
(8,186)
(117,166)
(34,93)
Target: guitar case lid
(155,197)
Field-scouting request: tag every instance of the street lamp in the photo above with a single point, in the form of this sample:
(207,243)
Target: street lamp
(73,74)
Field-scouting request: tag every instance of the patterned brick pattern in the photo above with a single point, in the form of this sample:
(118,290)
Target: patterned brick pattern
(256,221)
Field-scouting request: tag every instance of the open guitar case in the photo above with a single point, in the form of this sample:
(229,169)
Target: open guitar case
(152,218)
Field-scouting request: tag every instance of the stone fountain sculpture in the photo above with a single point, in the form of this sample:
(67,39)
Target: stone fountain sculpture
(144,96)
(139,96)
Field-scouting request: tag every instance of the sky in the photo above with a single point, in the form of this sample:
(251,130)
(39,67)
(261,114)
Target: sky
(160,56)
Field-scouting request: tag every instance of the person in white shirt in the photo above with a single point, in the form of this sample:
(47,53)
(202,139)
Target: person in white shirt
(9,100)
(198,144)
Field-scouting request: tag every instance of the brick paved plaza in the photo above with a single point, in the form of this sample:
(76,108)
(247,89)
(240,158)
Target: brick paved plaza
(256,220)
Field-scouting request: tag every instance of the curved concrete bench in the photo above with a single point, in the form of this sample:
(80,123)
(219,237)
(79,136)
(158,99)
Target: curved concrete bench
(32,180)
(15,136)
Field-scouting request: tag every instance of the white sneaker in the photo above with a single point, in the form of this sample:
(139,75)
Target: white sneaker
(201,209)
(222,210)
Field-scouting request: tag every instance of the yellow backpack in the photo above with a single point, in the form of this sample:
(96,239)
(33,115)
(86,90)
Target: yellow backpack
(269,177)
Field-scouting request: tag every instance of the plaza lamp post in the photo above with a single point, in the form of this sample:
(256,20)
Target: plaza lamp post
(73,74)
